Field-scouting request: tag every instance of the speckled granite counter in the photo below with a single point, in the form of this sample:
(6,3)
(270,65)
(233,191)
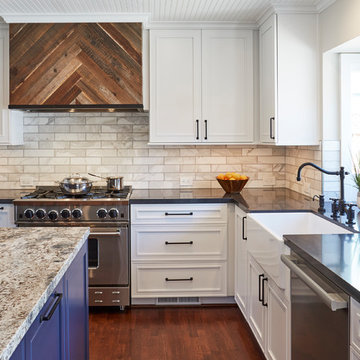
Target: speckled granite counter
(33,260)
(250,199)
(335,256)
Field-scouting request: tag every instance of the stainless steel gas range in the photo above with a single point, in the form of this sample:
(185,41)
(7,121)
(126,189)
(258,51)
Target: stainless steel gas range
(107,215)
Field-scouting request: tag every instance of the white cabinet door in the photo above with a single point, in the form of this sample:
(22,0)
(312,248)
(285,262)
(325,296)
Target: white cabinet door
(289,80)
(268,85)
(227,86)
(7,215)
(241,261)
(278,329)
(256,310)
(175,86)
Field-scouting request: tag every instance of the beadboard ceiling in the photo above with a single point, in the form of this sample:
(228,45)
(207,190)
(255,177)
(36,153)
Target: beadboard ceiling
(246,11)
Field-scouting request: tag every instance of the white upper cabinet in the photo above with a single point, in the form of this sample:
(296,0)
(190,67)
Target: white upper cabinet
(201,86)
(175,86)
(11,122)
(289,80)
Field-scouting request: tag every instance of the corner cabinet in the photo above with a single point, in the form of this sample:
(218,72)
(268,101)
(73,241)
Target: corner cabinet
(11,121)
(289,80)
(201,86)
(60,331)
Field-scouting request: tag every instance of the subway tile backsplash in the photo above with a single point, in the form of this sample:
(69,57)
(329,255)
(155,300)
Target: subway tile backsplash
(56,145)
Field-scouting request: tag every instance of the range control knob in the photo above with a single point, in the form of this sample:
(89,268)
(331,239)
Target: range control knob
(113,213)
(40,213)
(53,215)
(77,213)
(65,213)
(29,213)
(101,213)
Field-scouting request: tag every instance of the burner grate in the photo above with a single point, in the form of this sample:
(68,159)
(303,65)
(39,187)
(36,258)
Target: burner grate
(53,192)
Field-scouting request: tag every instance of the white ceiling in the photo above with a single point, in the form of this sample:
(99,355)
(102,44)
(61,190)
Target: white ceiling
(246,11)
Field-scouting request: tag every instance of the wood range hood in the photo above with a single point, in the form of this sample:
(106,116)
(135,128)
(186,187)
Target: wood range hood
(76,67)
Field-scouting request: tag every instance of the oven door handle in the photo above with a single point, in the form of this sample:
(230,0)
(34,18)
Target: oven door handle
(333,300)
(105,233)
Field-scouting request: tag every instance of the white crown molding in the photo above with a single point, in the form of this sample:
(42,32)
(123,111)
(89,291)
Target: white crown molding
(178,25)
(321,5)
(77,18)
(265,15)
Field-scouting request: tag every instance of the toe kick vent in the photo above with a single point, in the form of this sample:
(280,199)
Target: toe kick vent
(178,301)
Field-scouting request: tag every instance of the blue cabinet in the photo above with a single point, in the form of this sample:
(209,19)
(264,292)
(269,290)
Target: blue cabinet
(61,330)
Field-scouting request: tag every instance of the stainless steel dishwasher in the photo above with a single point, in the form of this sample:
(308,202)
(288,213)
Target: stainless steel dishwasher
(319,314)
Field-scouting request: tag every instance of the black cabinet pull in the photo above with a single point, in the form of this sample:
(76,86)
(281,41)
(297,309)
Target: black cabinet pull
(260,295)
(2,208)
(52,308)
(197,129)
(263,291)
(179,243)
(189,279)
(205,137)
(243,228)
(179,214)
(272,136)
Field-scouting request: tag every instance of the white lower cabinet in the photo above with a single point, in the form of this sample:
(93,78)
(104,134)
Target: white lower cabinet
(268,313)
(256,311)
(7,215)
(354,328)
(241,262)
(179,250)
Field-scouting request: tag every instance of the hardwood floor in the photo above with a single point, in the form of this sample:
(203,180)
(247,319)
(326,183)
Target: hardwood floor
(207,333)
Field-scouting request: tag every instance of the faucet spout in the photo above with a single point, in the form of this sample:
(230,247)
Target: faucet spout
(298,178)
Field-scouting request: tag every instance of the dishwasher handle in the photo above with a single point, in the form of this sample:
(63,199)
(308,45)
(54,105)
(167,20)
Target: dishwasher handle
(333,300)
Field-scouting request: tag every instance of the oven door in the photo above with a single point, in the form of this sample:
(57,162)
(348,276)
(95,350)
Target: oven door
(108,256)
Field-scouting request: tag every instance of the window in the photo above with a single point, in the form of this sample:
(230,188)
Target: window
(350,117)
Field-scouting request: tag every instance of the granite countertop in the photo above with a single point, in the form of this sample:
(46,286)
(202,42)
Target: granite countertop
(337,257)
(33,260)
(250,199)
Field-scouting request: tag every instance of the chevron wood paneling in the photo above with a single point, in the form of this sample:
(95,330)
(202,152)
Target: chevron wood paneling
(75,64)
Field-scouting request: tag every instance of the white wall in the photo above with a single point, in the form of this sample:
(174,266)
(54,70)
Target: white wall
(339,23)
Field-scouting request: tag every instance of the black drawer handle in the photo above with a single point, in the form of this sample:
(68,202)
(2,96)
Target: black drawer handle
(272,119)
(260,295)
(243,228)
(197,129)
(179,243)
(263,291)
(189,279)
(2,208)
(206,130)
(52,308)
(178,214)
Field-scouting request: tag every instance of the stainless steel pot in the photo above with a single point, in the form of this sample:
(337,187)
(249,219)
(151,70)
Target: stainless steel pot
(75,185)
(114,183)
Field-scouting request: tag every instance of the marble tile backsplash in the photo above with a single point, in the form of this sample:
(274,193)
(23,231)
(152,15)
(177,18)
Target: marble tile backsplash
(58,144)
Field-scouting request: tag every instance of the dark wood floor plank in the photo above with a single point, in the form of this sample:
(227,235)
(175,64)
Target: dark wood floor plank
(213,333)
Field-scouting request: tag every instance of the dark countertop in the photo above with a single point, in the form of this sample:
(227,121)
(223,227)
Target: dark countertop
(335,256)
(250,199)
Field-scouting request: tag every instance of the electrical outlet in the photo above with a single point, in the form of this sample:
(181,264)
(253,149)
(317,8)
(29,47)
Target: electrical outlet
(26,181)
(186,181)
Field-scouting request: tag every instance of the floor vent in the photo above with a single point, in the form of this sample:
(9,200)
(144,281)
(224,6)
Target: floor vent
(178,301)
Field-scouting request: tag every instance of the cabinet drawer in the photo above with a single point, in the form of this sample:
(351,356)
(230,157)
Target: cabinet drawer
(182,280)
(355,324)
(178,213)
(178,242)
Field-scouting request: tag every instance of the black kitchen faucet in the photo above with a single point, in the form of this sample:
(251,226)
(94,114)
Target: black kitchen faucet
(341,173)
